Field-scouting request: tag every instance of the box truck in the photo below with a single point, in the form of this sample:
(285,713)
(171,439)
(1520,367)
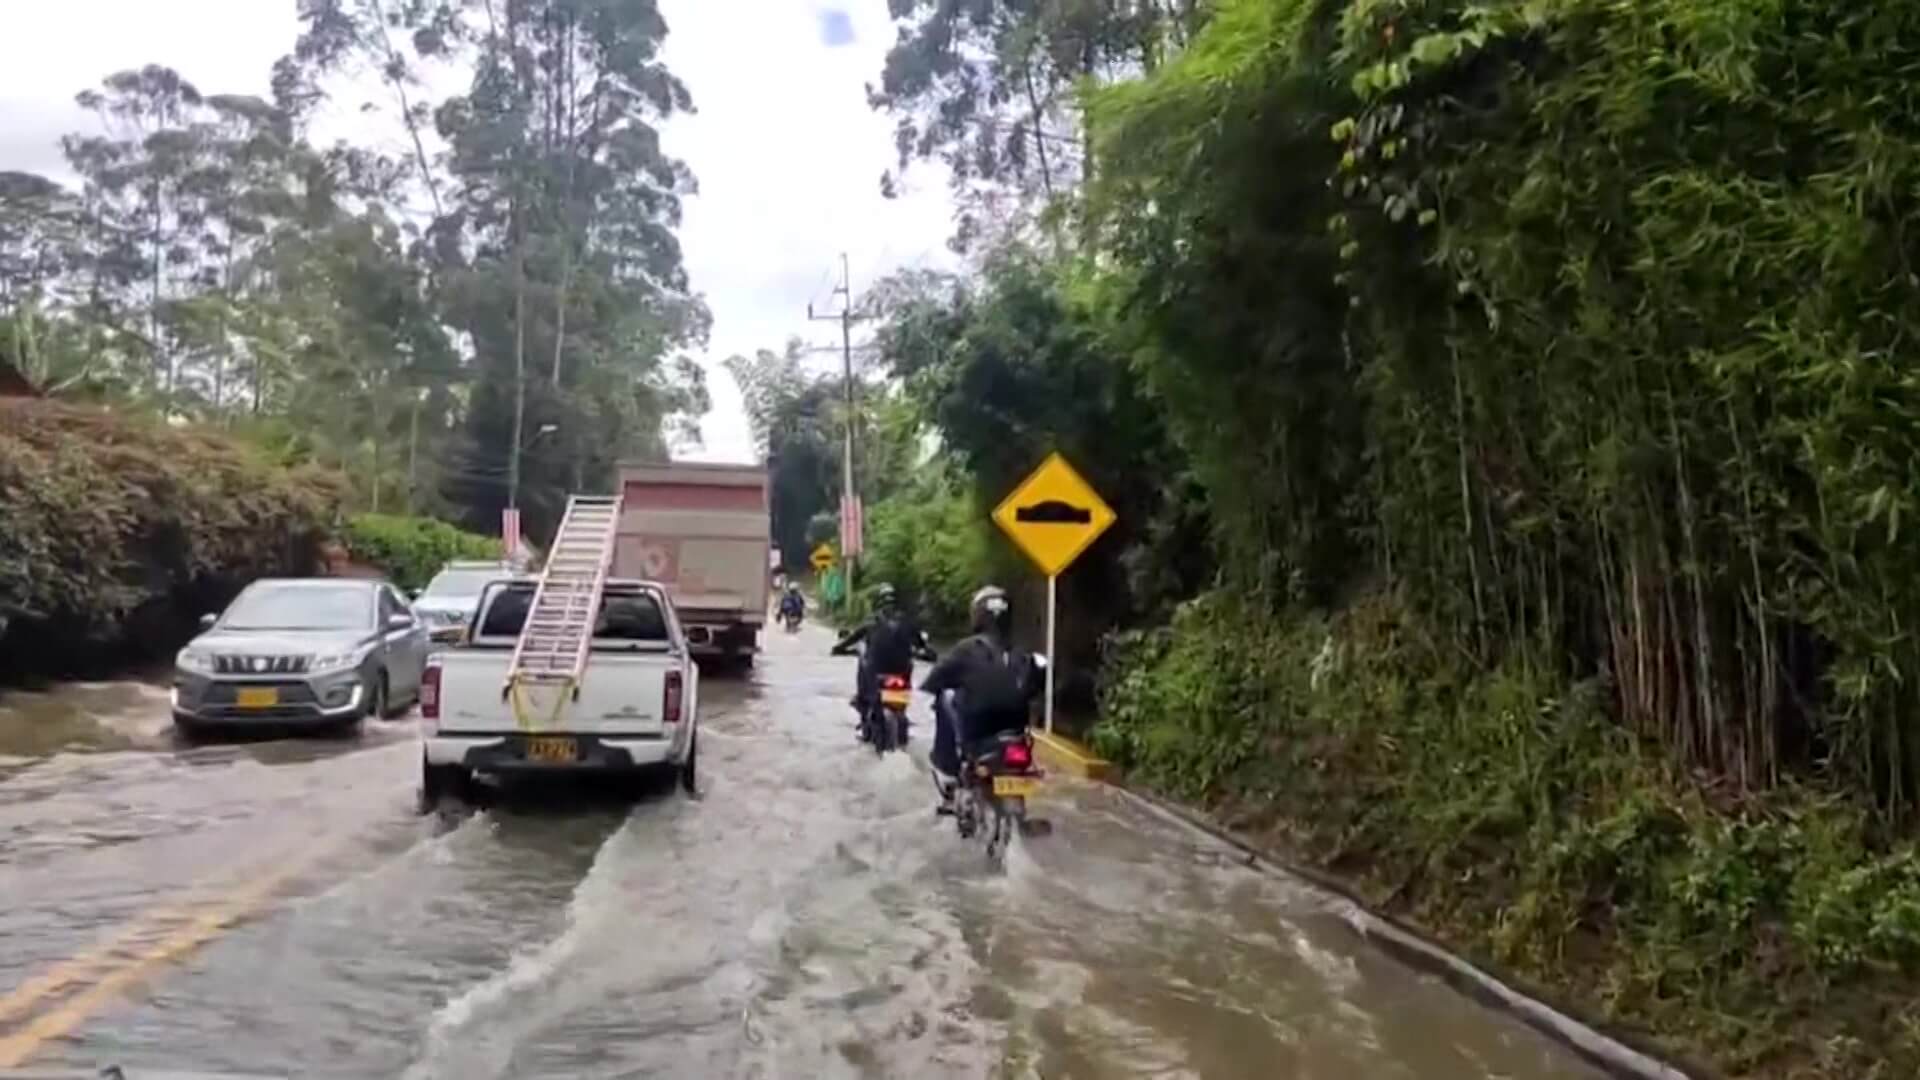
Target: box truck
(700,530)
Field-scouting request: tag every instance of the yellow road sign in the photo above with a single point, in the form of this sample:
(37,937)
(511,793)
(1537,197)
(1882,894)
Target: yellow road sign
(823,558)
(1053,515)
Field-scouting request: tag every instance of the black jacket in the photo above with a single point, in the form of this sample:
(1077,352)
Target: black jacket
(892,644)
(996,685)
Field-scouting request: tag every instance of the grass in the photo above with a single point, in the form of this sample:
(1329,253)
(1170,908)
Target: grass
(1767,934)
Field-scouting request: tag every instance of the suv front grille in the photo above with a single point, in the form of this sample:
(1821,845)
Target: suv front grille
(231,664)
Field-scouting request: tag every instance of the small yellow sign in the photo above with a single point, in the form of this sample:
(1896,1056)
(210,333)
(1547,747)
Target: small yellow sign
(1053,515)
(823,558)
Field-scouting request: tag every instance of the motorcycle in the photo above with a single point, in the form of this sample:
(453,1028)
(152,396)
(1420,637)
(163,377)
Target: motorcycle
(885,725)
(997,776)
(792,619)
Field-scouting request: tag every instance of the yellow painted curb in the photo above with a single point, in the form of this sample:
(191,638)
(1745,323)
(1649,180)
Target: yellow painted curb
(1062,753)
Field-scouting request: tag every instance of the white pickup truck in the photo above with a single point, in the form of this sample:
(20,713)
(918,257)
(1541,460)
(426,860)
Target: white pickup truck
(637,710)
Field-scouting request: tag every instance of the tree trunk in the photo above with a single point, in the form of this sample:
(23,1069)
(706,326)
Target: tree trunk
(1039,137)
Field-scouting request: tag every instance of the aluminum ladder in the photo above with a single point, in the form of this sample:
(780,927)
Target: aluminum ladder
(551,655)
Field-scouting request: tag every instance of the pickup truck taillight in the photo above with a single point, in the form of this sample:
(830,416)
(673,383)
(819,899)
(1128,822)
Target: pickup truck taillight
(430,692)
(670,707)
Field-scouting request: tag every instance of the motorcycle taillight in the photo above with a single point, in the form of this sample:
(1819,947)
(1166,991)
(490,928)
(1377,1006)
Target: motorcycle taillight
(893,682)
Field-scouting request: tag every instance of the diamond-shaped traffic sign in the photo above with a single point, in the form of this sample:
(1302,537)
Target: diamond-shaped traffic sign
(1053,515)
(823,558)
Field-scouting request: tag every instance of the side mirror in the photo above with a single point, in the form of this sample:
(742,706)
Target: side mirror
(399,622)
(207,620)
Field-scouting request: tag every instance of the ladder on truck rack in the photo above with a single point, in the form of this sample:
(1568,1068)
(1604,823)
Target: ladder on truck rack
(551,654)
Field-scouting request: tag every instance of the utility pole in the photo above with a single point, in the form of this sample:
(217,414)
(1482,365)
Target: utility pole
(846,318)
(413,447)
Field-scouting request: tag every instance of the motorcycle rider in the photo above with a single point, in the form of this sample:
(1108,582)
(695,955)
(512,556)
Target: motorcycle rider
(893,640)
(792,603)
(981,688)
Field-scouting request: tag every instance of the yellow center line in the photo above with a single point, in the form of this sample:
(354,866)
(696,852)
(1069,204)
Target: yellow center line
(111,974)
(79,968)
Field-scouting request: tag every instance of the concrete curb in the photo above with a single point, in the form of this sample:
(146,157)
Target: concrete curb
(1606,1052)
(1062,753)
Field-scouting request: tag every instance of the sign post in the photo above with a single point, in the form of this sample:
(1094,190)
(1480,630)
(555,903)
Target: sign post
(1053,516)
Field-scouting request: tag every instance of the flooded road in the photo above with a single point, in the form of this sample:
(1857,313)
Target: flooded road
(279,908)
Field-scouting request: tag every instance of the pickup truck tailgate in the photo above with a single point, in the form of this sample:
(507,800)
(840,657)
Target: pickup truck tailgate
(621,694)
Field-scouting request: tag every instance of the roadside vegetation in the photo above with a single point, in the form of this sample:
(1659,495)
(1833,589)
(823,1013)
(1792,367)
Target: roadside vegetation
(117,532)
(482,305)
(410,550)
(1506,411)
(496,268)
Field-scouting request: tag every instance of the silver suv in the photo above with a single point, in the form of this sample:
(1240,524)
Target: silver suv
(322,652)
(448,602)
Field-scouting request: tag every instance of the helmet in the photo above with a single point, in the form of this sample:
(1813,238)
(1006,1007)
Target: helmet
(991,611)
(793,586)
(884,596)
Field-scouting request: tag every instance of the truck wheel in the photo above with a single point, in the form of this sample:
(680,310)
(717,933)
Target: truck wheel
(440,781)
(689,769)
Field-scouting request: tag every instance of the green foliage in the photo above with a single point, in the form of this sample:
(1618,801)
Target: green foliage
(412,549)
(798,420)
(1019,363)
(450,333)
(1512,814)
(116,531)
(929,542)
(1532,377)
(987,89)
(1579,330)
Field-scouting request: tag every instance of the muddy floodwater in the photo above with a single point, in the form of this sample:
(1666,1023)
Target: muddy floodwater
(277,907)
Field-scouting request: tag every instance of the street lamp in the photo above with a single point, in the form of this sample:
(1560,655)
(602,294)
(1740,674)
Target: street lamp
(513,471)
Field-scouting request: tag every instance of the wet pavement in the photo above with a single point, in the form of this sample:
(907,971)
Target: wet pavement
(279,908)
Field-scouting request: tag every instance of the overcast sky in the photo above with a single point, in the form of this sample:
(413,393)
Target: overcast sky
(787,154)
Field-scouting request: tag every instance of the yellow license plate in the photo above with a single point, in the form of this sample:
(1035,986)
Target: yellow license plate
(552,749)
(256,697)
(1014,785)
(895,697)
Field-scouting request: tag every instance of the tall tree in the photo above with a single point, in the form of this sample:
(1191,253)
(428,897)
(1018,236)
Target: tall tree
(986,87)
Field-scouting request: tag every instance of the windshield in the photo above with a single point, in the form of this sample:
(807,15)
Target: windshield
(301,607)
(459,584)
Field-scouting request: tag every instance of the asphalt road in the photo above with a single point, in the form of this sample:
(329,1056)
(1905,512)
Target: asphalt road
(279,908)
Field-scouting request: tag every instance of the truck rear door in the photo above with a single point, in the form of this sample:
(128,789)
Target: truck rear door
(702,532)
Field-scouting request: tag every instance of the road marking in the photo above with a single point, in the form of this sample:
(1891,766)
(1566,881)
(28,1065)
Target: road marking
(109,980)
(78,968)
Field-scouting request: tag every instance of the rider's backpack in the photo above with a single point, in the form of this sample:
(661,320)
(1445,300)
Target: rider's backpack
(998,685)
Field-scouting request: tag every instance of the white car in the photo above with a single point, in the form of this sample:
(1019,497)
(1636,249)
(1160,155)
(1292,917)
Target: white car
(636,712)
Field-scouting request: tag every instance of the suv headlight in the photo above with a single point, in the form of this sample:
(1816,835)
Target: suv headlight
(198,661)
(338,661)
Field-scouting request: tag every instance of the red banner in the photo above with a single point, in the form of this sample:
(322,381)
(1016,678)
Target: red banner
(852,528)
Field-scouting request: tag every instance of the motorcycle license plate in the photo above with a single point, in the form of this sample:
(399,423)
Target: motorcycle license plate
(1006,786)
(552,750)
(895,697)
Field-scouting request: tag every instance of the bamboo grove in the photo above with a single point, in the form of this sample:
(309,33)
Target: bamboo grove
(1584,324)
